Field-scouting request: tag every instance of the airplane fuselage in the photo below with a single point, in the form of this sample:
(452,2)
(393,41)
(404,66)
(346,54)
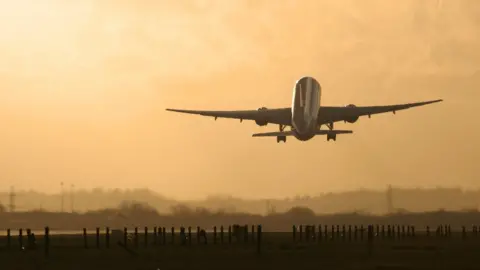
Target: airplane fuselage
(305,107)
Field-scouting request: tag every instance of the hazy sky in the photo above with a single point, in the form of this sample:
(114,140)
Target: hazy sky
(84,85)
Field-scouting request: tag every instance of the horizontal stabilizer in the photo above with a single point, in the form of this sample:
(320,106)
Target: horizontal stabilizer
(290,133)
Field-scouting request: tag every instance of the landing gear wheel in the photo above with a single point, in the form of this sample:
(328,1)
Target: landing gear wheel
(330,125)
(332,137)
(281,138)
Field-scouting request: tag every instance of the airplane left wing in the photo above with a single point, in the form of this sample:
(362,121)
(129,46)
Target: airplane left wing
(351,113)
(263,116)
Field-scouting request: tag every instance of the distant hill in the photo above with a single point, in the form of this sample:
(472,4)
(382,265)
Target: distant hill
(368,201)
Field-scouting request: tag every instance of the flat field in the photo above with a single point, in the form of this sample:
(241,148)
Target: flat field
(275,251)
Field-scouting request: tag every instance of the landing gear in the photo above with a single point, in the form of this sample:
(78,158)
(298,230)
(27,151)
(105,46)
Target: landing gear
(330,125)
(281,128)
(281,138)
(331,137)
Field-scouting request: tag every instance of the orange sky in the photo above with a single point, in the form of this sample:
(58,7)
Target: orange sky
(83,88)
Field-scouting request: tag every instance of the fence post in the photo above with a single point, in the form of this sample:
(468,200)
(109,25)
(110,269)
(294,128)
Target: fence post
(253,233)
(300,233)
(136,237)
(9,239)
(245,233)
(198,235)
(319,238)
(85,238)
(173,235)
(164,235)
(294,233)
(97,237)
(20,238)
(189,235)
(221,234)
(47,241)
(229,234)
(145,236)
(107,237)
(259,238)
(214,234)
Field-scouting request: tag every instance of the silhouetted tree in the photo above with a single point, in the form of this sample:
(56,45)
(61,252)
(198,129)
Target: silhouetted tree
(300,212)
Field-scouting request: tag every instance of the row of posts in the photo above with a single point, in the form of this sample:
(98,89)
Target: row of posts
(159,236)
(325,232)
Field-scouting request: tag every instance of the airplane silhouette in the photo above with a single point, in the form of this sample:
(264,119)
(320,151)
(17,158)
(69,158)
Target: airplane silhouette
(305,117)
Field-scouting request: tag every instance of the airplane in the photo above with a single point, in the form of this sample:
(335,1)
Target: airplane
(305,117)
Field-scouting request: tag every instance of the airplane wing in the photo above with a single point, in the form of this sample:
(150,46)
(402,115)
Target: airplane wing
(281,116)
(351,113)
(290,133)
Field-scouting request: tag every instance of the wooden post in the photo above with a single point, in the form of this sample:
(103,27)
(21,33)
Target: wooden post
(20,238)
(9,239)
(294,233)
(145,237)
(198,235)
(307,233)
(47,241)
(183,236)
(107,237)
(189,235)
(245,234)
(85,243)
(319,233)
(253,233)
(164,236)
(97,237)
(259,238)
(370,239)
(155,234)
(349,232)
(221,234)
(300,233)
(229,234)
(314,233)
(136,237)
(214,234)
(173,235)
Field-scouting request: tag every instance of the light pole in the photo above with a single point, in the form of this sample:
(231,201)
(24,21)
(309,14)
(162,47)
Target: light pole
(71,197)
(62,197)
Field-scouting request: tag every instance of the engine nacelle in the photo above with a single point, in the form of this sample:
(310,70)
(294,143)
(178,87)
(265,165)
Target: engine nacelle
(351,119)
(261,122)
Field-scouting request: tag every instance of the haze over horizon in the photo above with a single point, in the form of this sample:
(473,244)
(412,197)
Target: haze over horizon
(84,86)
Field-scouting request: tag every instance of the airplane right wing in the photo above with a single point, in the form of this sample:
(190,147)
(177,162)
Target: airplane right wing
(329,114)
(263,116)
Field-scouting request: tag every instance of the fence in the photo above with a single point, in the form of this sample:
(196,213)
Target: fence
(235,234)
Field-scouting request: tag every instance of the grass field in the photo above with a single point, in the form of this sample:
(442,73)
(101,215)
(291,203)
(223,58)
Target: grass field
(276,251)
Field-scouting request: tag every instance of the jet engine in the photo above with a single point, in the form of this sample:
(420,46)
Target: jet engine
(261,122)
(351,119)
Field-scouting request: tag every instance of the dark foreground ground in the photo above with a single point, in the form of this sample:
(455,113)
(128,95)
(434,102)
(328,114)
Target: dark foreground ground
(277,251)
